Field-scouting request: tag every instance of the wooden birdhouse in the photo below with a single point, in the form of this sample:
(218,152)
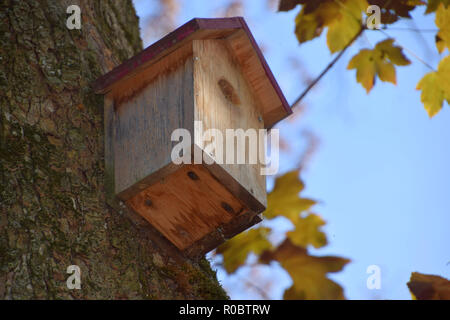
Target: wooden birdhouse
(209,71)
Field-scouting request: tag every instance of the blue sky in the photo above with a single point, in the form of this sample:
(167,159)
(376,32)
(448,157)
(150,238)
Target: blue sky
(381,172)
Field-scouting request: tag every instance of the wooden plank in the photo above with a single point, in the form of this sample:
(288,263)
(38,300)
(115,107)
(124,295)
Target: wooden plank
(221,234)
(193,29)
(187,205)
(135,83)
(213,63)
(272,107)
(145,121)
(284,110)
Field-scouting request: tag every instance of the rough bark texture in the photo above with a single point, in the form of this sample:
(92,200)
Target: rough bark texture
(52,201)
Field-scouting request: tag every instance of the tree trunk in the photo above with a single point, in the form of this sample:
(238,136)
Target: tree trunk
(52,201)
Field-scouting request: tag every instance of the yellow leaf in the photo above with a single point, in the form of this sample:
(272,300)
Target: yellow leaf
(284,199)
(236,250)
(432,95)
(386,72)
(307,27)
(343,19)
(378,61)
(443,74)
(394,53)
(440,44)
(435,87)
(434,4)
(442,21)
(310,25)
(307,231)
(364,64)
(429,287)
(308,273)
(346,25)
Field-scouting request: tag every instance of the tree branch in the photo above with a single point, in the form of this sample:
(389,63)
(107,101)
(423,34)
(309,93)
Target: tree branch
(328,67)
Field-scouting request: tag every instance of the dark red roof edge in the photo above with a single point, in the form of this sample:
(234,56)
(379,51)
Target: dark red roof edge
(178,35)
(147,54)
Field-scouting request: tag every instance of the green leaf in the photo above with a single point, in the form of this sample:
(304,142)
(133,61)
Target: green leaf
(307,231)
(435,87)
(308,273)
(284,199)
(378,61)
(236,250)
(429,287)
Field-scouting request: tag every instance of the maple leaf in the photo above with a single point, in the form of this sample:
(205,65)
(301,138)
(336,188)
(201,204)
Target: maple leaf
(284,199)
(442,21)
(343,19)
(379,61)
(435,87)
(429,287)
(307,231)
(236,250)
(308,273)
(434,4)
(346,25)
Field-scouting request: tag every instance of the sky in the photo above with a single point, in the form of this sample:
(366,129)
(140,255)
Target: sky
(381,171)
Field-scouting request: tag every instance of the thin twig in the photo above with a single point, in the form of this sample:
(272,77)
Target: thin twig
(410,29)
(260,291)
(328,67)
(411,53)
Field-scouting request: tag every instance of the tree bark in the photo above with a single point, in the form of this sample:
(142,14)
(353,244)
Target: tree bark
(52,201)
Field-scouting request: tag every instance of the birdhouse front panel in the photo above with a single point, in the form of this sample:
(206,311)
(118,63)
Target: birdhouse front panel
(224,100)
(208,72)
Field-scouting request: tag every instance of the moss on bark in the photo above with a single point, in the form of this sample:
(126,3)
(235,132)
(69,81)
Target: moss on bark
(52,200)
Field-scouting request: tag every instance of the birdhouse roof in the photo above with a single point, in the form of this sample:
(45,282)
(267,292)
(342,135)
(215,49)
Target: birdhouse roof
(243,46)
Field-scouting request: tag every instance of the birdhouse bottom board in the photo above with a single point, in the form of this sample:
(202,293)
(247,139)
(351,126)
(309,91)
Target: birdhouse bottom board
(191,204)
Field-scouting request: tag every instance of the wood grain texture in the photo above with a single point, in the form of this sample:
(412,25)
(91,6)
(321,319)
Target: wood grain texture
(143,125)
(187,205)
(214,63)
(270,100)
